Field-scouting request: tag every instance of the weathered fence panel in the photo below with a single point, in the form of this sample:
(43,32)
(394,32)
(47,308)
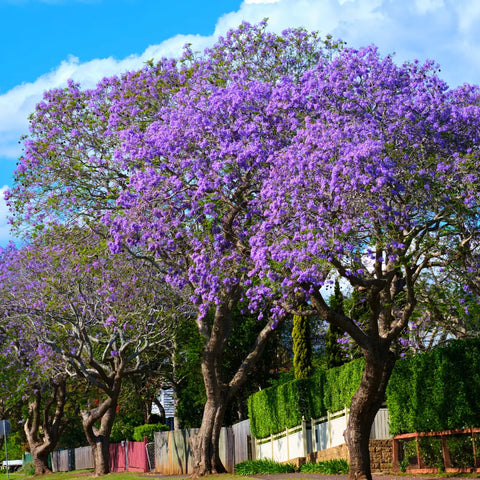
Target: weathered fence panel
(83,458)
(173,455)
(137,457)
(129,456)
(241,434)
(380,428)
(118,457)
(61,460)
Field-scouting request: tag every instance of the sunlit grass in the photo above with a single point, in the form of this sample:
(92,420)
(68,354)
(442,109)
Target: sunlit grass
(88,475)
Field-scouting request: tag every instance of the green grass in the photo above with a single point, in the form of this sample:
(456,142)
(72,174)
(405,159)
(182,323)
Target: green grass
(328,467)
(79,474)
(88,475)
(261,467)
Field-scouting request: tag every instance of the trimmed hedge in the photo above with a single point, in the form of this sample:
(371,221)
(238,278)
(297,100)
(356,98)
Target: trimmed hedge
(438,390)
(276,408)
(434,391)
(341,383)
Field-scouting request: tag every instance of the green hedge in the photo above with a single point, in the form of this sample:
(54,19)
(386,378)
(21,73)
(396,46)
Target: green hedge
(438,390)
(434,391)
(341,383)
(276,408)
(148,430)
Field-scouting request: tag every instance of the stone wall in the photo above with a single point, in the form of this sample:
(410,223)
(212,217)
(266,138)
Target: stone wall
(381,454)
(340,451)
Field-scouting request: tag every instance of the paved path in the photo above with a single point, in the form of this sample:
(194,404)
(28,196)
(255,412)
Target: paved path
(320,476)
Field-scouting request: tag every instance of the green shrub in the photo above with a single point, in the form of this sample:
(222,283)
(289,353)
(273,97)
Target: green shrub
(28,469)
(461,451)
(436,391)
(336,466)
(147,431)
(341,383)
(274,409)
(431,449)
(263,467)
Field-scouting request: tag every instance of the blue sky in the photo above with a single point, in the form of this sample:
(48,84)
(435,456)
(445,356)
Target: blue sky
(45,42)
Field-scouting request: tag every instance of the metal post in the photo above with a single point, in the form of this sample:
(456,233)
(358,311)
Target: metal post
(6,452)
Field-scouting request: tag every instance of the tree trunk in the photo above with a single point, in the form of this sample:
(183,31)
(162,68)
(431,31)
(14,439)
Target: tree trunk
(365,404)
(101,455)
(40,460)
(99,438)
(50,425)
(205,444)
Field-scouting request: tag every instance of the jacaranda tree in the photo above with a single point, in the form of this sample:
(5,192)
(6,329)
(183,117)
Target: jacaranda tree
(194,205)
(100,314)
(251,175)
(32,374)
(380,187)
(172,158)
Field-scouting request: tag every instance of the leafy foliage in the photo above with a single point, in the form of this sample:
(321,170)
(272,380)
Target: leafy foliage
(302,347)
(438,390)
(276,408)
(336,466)
(432,391)
(341,383)
(335,353)
(148,430)
(263,467)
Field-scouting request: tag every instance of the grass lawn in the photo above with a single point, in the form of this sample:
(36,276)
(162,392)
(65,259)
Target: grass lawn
(87,475)
(81,474)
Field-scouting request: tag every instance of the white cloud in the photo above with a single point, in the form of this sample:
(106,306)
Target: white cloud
(425,6)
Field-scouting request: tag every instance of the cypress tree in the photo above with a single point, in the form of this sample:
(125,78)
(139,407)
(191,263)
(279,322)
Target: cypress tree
(302,347)
(335,355)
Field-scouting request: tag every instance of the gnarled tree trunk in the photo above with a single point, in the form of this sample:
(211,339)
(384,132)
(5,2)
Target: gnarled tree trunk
(205,444)
(99,438)
(365,404)
(52,426)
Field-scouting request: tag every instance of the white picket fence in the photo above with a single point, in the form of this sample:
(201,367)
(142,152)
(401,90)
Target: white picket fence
(319,434)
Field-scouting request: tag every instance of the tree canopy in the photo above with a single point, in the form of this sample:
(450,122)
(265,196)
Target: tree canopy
(252,175)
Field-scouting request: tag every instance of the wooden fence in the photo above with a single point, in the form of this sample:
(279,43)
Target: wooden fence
(243,442)
(314,436)
(83,458)
(124,456)
(173,454)
(451,451)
